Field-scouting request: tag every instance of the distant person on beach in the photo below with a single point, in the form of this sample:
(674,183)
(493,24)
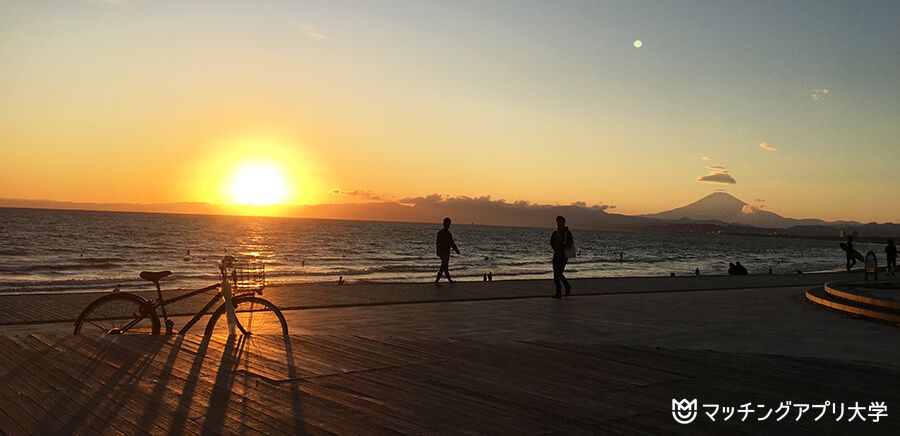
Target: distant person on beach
(736,269)
(851,258)
(444,244)
(890,252)
(561,240)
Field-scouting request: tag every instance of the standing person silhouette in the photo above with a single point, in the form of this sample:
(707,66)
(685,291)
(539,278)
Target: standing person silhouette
(851,256)
(890,252)
(444,244)
(560,241)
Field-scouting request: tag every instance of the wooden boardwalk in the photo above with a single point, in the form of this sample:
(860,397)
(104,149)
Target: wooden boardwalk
(63,384)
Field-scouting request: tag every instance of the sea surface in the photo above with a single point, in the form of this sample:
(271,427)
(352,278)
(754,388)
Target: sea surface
(75,251)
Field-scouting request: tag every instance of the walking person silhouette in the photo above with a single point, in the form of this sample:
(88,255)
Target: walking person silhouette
(890,252)
(561,240)
(444,244)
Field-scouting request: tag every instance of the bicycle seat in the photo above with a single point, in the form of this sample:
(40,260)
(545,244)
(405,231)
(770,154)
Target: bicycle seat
(154,276)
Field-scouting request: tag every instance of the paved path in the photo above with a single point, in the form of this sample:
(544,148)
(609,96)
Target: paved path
(43,308)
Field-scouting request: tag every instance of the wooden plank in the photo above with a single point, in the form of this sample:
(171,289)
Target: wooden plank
(399,385)
(20,409)
(116,388)
(277,407)
(86,385)
(186,408)
(59,401)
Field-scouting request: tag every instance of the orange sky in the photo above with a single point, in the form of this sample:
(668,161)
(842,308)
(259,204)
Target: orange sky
(155,102)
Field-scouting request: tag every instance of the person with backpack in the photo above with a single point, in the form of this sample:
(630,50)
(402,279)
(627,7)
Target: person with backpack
(563,246)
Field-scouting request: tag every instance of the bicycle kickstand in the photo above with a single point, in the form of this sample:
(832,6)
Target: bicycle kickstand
(170,326)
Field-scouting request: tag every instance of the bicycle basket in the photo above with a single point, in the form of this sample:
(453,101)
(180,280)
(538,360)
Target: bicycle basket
(248,276)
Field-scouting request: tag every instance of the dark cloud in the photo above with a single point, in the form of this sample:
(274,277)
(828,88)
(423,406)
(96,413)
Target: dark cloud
(486,200)
(428,199)
(722,177)
(368,195)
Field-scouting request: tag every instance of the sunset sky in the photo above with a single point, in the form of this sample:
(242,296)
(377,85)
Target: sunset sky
(797,103)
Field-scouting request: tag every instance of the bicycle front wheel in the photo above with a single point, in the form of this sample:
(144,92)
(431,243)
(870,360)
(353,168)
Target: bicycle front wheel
(119,313)
(255,316)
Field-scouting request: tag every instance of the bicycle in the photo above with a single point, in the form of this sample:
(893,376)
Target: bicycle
(245,312)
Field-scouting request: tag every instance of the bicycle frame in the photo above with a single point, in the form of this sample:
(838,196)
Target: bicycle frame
(161,303)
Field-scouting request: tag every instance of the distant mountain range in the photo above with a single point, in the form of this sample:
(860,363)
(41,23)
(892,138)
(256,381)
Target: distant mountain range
(718,212)
(720,208)
(724,207)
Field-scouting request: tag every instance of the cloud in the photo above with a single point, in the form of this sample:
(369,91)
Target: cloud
(819,93)
(722,177)
(368,195)
(706,158)
(717,174)
(308,30)
(584,205)
(768,147)
(758,205)
(487,201)
(428,199)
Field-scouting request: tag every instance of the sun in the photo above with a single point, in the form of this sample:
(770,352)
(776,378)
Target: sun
(258,183)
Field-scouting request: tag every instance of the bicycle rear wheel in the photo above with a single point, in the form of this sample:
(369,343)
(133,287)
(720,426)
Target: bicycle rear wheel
(255,316)
(119,313)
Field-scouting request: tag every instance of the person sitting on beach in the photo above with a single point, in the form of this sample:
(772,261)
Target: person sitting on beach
(890,252)
(851,258)
(560,241)
(444,244)
(736,269)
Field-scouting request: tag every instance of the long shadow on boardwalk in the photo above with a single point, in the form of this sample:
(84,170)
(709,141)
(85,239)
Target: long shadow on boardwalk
(373,385)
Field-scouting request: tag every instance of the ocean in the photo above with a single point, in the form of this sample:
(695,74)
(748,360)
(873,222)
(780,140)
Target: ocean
(76,251)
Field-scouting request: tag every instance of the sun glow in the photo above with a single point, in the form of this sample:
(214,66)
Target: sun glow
(259,184)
